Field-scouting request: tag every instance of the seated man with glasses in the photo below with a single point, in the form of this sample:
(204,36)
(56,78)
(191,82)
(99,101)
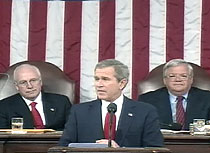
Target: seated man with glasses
(37,108)
(178,102)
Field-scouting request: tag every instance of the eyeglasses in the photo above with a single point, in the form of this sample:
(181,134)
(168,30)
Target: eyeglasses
(25,83)
(182,77)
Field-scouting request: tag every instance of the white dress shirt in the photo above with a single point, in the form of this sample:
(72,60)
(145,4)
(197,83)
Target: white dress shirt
(173,102)
(39,106)
(118,102)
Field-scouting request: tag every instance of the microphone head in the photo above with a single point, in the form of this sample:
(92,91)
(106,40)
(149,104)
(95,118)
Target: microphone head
(112,108)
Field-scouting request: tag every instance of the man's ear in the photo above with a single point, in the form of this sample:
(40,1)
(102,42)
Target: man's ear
(17,88)
(164,81)
(123,83)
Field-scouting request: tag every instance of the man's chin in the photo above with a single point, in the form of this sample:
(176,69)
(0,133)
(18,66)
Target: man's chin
(179,92)
(31,97)
(102,97)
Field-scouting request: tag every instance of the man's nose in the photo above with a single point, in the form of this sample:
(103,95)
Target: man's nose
(178,78)
(99,83)
(29,85)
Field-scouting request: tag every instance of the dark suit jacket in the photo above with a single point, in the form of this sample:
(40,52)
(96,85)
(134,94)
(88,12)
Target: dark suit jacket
(56,110)
(198,104)
(138,125)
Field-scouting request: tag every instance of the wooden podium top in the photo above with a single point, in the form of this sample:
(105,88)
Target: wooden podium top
(113,150)
(184,143)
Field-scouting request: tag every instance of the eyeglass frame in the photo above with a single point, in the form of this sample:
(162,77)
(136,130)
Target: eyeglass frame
(24,83)
(182,77)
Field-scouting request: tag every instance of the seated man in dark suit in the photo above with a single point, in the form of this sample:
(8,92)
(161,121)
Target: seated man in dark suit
(195,103)
(137,123)
(53,109)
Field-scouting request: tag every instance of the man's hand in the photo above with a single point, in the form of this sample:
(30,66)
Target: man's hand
(105,141)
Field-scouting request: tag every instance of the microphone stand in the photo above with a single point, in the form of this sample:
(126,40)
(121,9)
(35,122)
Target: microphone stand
(112,108)
(110,129)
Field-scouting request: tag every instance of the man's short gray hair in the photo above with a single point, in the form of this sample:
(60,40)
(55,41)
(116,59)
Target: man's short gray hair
(22,66)
(121,70)
(177,62)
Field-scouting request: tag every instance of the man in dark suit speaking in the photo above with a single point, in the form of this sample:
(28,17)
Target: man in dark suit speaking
(137,122)
(52,109)
(178,79)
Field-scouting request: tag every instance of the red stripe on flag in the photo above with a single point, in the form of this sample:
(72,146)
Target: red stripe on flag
(37,30)
(5,27)
(174,29)
(141,15)
(72,43)
(107,30)
(205,36)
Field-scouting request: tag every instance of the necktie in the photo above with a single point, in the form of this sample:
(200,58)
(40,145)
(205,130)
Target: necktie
(180,113)
(107,126)
(38,124)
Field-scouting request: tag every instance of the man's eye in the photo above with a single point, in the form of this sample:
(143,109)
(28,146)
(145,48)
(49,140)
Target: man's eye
(22,82)
(106,79)
(96,79)
(184,76)
(33,80)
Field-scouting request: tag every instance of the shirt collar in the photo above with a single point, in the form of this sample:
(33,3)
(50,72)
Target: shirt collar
(174,97)
(118,101)
(37,100)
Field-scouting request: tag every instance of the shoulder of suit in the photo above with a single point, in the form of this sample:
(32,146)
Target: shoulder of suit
(53,95)
(87,104)
(11,98)
(92,102)
(138,103)
(195,90)
(155,92)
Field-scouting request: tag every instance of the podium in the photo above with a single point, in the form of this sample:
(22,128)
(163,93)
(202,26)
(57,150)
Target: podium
(40,143)
(106,150)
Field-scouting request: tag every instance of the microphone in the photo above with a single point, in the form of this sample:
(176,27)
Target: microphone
(172,126)
(111,108)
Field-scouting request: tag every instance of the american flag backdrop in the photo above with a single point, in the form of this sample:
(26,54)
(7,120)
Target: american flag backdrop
(76,35)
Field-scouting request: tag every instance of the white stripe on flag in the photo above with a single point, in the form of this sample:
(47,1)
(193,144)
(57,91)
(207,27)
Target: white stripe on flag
(55,32)
(19,31)
(157,54)
(89,49)
(123,40)
(192,33)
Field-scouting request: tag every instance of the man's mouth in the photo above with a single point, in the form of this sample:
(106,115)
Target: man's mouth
(101,91)
(178,84)
(31,91)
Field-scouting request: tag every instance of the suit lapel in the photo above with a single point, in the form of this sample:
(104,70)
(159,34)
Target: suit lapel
(49,110)
(95,118)
(125,120)
(194,105)
(164,107)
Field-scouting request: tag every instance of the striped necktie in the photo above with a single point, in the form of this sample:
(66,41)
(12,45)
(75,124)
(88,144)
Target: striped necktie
(180,113)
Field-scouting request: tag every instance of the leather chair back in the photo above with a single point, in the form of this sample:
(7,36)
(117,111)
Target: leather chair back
(54,80)
(154,80)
